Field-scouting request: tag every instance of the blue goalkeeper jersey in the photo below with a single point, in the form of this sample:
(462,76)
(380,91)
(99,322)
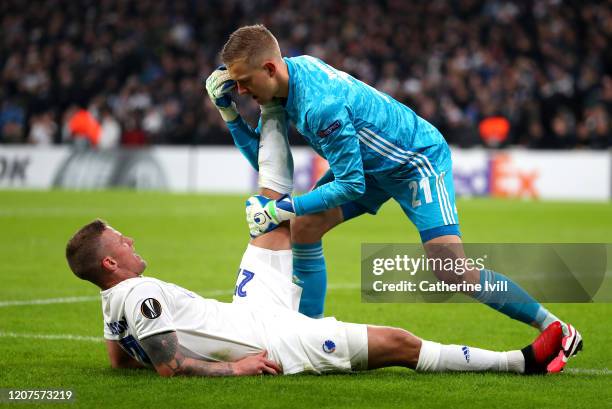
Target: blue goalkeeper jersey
(358,129)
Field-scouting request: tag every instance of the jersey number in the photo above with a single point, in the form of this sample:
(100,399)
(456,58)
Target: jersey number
(247,276)
(414,187)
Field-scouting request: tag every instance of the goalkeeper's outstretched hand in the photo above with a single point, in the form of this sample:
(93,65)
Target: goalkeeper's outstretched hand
(264,215)
(219,85)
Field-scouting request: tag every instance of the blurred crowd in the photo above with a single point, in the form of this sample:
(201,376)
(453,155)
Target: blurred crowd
(536,73)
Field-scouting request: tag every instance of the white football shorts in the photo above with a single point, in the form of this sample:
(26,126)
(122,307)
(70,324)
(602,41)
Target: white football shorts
(297,342)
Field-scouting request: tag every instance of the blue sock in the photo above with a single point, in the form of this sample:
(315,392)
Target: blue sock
(512,300)
(309,269)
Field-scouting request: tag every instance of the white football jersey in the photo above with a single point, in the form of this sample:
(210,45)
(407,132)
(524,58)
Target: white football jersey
(206,329)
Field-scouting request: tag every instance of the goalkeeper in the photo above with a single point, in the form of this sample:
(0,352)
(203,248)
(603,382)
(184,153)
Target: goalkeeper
(377,149)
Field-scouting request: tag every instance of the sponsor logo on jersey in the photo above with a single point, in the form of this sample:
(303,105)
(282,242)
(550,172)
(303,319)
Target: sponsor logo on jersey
(117,327)
(329,130)
(466,354)
(151,308)
(329,346)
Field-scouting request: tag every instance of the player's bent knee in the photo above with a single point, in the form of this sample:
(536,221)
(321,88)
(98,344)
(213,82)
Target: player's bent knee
(392,347)
(311,227)
(446,248)
(410,347)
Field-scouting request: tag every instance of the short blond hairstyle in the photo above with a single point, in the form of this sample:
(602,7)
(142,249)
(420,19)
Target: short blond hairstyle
(250,44)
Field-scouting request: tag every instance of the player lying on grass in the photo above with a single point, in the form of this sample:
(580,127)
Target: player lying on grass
(377,149)
(148,322)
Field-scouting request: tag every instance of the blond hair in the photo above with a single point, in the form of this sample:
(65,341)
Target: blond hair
(251,44)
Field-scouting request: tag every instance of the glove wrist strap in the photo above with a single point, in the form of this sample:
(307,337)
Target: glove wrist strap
(229,114)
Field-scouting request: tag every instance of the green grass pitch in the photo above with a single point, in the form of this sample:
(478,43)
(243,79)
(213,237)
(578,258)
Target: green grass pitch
(197,241)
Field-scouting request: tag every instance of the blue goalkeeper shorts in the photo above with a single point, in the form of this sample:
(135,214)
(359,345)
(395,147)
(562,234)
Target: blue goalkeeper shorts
(423,188)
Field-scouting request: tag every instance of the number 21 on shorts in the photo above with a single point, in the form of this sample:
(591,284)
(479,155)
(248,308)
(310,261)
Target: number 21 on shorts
(422,185)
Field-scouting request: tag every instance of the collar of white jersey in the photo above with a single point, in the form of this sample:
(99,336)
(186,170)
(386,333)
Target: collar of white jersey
(110,289)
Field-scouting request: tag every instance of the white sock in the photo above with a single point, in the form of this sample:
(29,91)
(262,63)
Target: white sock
(435,357)
(274,157)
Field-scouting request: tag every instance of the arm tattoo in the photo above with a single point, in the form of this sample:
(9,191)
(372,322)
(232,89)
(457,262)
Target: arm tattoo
(163,349)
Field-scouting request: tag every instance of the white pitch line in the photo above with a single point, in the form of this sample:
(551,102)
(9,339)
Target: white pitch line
(66,337)
(90,298)
(589,371)
(70,337)
(44,301)
(343,286)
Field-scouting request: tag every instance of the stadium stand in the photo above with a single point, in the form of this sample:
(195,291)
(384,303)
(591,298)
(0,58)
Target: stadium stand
(544,66)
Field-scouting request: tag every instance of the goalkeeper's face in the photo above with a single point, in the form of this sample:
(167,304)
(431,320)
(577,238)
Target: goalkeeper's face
(258,80)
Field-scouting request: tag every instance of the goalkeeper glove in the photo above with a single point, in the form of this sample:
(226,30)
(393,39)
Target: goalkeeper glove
(264,215)
(218,86)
